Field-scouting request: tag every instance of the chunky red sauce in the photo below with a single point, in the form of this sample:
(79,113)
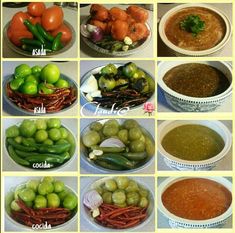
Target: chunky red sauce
(212,34)
(197,199)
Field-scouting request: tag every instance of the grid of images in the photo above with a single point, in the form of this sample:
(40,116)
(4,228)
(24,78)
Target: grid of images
(117,116)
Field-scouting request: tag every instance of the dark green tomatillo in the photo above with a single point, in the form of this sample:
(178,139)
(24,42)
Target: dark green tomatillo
(129,69)
(122,83)
(139,74)
(141,85)
(107,83)
(109,69)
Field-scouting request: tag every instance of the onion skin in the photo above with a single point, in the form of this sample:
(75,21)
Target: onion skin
(97,35)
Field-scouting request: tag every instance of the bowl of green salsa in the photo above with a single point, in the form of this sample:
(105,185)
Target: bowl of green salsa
(194,144)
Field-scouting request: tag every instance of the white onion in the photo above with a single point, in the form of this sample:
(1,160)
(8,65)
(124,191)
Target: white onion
(90,28)
(92,200)
(112,142)
(84,31)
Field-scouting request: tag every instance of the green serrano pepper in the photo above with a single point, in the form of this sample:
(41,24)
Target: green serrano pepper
(109,149)
(109,165)
(25,154)
(32,42)
(13,143)
(135,156)
(32,28)
(116,160)
(44,33)
(16,158)
(56,45)
(54,149)
(45,158)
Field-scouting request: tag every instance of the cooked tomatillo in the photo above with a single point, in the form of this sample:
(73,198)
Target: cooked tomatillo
(193,142)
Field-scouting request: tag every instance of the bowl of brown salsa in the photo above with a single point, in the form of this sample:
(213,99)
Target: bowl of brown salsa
(195,30)
(195,86)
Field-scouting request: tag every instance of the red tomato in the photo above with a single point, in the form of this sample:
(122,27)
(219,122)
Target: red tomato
(52,18)
(36,8)
(29,16)
(66,33)
(17,21)
(35,20)
(9,32)
(16,34)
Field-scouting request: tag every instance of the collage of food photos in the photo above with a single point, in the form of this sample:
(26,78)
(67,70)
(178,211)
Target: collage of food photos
(117,116)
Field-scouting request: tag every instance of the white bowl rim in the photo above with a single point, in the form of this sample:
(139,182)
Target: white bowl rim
(135,178)
(216,158)
(60,167)
(206,52)
(52,228)
(169,181)
(224,94)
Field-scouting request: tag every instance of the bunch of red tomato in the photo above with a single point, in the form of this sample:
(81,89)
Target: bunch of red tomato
(50,18)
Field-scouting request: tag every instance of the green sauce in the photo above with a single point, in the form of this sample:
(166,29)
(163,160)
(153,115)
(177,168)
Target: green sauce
(193,142)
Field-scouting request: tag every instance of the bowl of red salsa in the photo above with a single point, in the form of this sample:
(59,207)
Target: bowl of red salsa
(195,202)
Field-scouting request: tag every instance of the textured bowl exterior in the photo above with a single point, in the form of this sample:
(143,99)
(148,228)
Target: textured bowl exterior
(182,105)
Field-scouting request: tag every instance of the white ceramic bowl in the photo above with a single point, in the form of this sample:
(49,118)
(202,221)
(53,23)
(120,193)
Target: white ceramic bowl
(91,164)
(183,52)
(182,102)
(180,164)
(101,228)
(178,222)
(16,165)
(22,227)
